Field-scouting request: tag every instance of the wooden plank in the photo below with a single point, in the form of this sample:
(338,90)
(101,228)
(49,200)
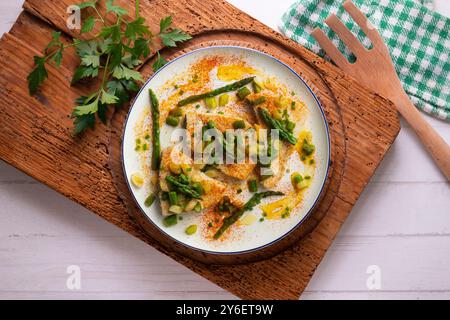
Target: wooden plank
(102,271)
(369,134)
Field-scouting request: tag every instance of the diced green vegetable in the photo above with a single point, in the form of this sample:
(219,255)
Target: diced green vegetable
(172,121)
(137,180)
(290,126)
(296,180)
(191,230)
(224,99)
(257,87)
(308,148)
(239,124)
(173,198)
(165,196)
(256,101)
(150,199)
(253,186)
(177,112)
(198,207)
(211,102)
(198,187)
(243,92)
(170,220)
(277,115)
(176,209)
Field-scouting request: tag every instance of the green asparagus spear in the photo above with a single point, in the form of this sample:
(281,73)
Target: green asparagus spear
(253,202)
(228,88)
(275,124)
(183,188)
(156,154)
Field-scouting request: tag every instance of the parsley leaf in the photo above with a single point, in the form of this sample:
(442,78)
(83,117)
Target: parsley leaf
(117,49)
(110,7)
(108,98)
(137,28)
(122,72)
(81,123)
(38,75)
(55,42)
(88,25)
(171,38)
(84,72)
(141,48)
(116,88)
(130,61)
(112,32)
(101,113)
(159,63)
(164,24)
(58,56)
(91,61)
(89,108)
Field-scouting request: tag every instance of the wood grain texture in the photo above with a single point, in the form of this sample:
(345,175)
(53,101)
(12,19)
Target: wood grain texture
(42,145)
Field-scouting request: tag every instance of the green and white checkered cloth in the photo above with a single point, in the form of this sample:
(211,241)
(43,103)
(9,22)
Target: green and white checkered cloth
(417,37)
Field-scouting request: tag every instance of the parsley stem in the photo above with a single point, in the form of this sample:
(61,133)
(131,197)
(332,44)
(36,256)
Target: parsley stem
(99,15)
(105,74)
(137,8)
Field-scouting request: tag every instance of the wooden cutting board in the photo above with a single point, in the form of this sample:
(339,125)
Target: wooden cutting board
(35,133)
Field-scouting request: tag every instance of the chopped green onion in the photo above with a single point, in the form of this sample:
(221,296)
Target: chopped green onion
(198,207)
(308,148)
(150,199)
(211,102)
(172,121)
(257,87)
(176,209)
(177,112)
(243,93)
(290,126)
(256,101)
(198,187)
(170,220)
(224,99)
(191,230)
(239,124)
(253,186)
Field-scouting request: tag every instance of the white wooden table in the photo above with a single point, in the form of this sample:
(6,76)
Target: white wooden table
(401,224)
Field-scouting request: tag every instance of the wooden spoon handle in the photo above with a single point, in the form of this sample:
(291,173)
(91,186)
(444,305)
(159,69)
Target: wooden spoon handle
(435,144)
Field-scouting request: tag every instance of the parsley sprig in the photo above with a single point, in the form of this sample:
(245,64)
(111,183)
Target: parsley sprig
(111,55)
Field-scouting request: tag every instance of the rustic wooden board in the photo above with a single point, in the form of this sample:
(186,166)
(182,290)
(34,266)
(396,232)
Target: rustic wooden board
(35,133)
